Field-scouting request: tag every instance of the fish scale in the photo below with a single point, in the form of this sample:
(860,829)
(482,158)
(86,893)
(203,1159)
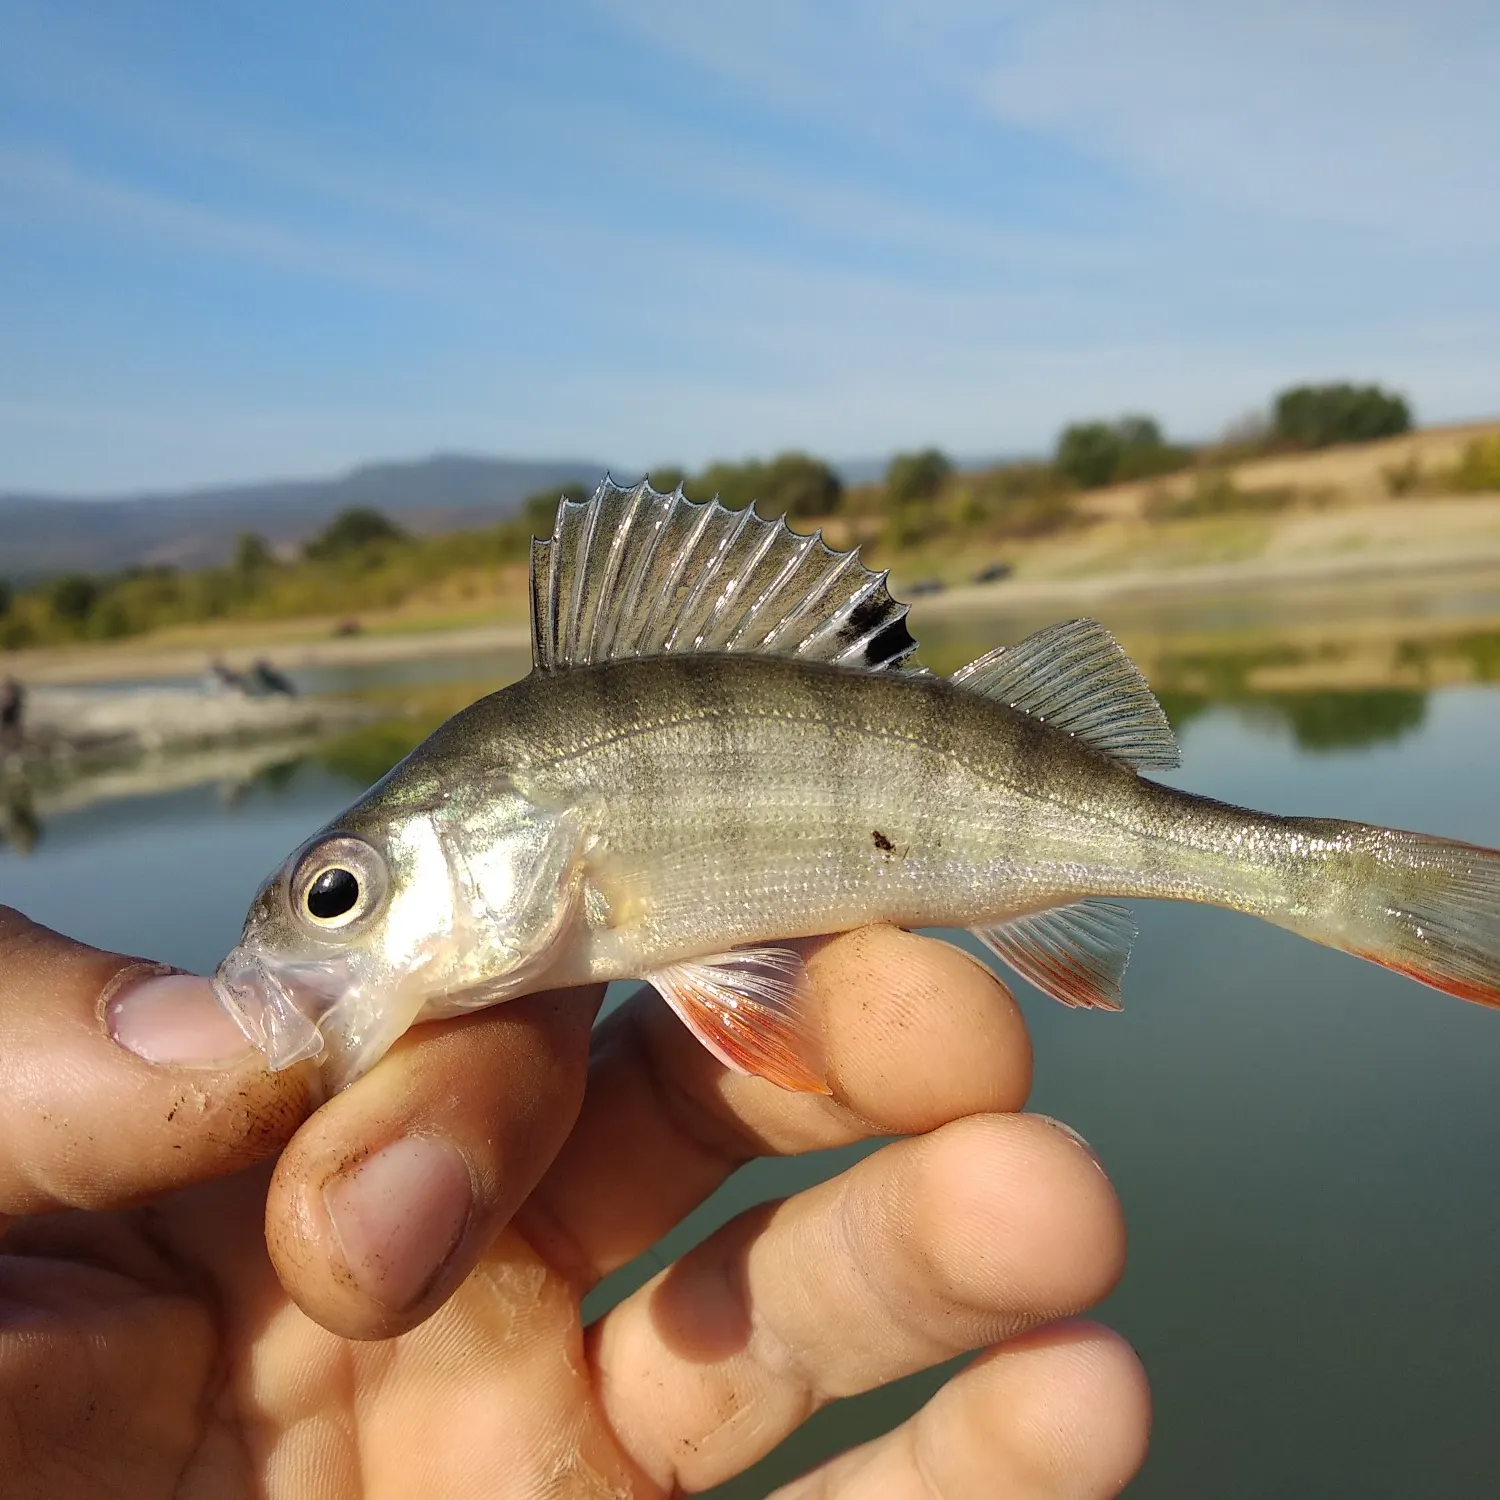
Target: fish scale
(724,745)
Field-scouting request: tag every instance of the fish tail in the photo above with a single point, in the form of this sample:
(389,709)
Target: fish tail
(1426,907)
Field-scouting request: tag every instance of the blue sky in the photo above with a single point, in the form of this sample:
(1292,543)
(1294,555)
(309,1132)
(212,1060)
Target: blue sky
(250,239)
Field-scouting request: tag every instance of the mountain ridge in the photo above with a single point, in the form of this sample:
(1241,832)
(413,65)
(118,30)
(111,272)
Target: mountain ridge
(41,535)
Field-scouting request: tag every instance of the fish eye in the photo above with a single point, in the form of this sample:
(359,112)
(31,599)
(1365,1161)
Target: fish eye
(338,883)
(333,894)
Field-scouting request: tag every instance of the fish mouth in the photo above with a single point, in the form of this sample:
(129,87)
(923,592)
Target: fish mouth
(278,1008)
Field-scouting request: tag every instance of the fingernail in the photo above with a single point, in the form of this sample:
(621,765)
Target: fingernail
(1066,1130)
(398,1215)
(175,1018)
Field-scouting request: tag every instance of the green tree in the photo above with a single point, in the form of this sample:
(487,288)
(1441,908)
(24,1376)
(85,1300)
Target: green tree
(252,555)
(800,486)
(352,531)
(1093,454)
(665,478)
(736,485)
(6,595)
(1088,453)
(913,477)
(1144,451)
(71,598)
(1315,416)
(539,508)
(792,484)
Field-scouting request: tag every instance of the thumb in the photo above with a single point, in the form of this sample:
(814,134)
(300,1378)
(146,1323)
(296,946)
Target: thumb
(120,1080)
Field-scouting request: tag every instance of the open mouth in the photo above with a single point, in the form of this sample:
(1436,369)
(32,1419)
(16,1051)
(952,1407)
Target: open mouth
(279,1008)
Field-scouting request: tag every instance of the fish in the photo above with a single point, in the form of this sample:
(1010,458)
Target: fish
(726,745)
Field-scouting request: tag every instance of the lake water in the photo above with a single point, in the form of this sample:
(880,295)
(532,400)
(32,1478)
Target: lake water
(1308,1148)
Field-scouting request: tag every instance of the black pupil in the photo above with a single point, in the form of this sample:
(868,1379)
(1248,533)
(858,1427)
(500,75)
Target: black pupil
(332,894)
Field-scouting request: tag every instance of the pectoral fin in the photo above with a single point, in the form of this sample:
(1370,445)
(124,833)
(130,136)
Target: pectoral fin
(751,1009)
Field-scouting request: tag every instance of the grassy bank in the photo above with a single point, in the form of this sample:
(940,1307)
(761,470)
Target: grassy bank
(1388,506)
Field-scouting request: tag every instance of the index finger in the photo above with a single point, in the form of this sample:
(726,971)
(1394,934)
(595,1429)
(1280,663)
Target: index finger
(120,1079)
(917,1034)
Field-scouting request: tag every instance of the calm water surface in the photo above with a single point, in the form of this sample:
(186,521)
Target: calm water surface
(1306,1147)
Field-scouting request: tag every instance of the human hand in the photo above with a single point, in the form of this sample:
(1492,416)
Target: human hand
(152,1347)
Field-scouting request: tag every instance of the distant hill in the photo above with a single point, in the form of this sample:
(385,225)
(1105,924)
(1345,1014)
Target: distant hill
(42,535)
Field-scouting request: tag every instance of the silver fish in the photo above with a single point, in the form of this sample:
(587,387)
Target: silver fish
(723,745)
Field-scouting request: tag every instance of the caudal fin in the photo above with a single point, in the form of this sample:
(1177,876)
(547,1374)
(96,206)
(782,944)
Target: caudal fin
(1433,914)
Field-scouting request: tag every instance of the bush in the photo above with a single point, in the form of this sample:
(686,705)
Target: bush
(791,484)
(801,486)
(16,634)
(665,478)
(1405,478)
(913,477)
(251,554)
(1215,493)
(1479,468)
(1017,500)
(350,532)
(539,509)
(1317,416)
(72,597)
(1093,454)
(1087,453)
(735,486)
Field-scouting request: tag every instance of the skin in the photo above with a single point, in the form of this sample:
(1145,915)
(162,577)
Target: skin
(178,1318)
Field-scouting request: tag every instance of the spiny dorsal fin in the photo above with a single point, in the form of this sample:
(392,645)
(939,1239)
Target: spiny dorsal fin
(1077,954)
(1074,676)
(631,572)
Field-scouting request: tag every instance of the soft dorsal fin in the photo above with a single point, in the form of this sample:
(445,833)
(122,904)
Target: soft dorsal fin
(632,572)
(1074,676)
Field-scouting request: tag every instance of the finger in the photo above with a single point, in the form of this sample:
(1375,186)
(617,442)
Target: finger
(1063,1412)
(387,1197)
(101,1381)
(916,1032)
(120,1080)
(981,1230)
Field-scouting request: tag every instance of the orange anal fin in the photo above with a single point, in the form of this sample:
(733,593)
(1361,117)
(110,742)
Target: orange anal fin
(1077,954)
(1463,987)
(752,1010)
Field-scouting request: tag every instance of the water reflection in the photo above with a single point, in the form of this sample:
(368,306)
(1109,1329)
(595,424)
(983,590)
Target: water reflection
(20,827)
(1313,720)
(1304,1144)
(1329,672)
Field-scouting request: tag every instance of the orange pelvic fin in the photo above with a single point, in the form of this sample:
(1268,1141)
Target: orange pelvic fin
(751,1009)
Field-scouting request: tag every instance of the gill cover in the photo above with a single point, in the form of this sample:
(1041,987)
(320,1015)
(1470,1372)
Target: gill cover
(469,910)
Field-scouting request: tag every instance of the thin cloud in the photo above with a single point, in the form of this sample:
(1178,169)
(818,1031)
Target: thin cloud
(1365,113)
(681,230)
(50,179)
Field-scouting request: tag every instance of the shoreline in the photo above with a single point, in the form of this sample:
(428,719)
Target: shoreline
(141,660)
(1253,575)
